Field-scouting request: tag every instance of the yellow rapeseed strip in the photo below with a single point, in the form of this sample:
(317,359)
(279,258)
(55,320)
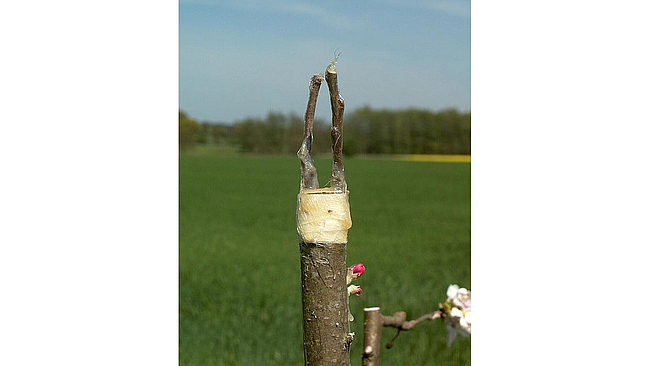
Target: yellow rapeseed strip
(435,158)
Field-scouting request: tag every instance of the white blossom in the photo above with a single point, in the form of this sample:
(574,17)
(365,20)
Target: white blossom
(459,312)
(452,291)
(460,297)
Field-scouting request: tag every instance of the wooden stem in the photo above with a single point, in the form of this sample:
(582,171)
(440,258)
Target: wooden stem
(309,178)
(338,105)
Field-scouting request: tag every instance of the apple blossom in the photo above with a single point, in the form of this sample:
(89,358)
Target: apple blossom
(458,312)
(460,297)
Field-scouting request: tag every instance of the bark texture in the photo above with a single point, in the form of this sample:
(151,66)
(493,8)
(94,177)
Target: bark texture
(325,304)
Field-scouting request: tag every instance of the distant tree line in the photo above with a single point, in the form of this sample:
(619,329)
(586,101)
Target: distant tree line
(189,131)
(366,131)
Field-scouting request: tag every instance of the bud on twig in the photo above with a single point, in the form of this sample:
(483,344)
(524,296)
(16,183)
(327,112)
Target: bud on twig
(355,272)
(354,289)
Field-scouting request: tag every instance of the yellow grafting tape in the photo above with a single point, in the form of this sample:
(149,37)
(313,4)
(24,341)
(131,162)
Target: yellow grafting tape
(323,216)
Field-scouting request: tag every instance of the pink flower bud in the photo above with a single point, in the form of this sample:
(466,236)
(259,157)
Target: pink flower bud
(353,289)
(358,269)
(355,272)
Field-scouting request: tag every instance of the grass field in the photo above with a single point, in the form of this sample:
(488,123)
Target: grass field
(240,298)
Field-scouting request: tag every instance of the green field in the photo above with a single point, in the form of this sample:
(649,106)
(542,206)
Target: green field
(240,298)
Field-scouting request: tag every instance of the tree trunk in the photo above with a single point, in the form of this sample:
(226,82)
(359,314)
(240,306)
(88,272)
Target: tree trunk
(323,220)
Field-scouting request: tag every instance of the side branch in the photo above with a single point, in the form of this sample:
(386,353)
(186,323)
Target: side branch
(309,178)
(338,105)
(398,320)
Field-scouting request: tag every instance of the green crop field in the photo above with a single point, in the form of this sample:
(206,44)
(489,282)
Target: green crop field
(240,301)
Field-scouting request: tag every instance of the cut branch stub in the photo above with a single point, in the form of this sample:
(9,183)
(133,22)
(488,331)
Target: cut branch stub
(338,105)
(372,325)
(309,178)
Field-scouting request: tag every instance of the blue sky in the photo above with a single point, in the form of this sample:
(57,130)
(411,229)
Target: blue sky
(245,58)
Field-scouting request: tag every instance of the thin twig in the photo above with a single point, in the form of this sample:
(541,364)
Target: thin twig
(338,105)
(398,320)
(389,345)
(309,177)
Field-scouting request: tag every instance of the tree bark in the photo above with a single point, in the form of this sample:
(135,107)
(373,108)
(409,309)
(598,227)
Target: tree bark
(324,304)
